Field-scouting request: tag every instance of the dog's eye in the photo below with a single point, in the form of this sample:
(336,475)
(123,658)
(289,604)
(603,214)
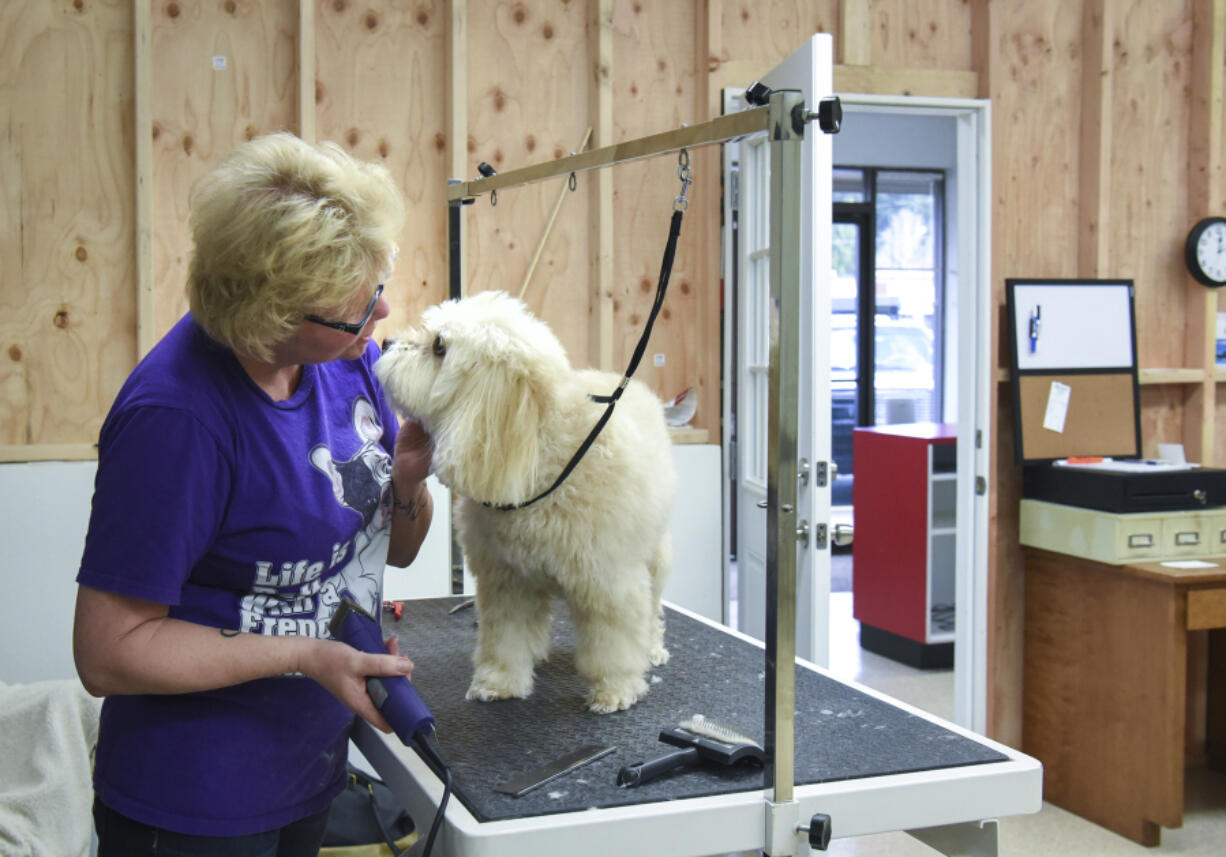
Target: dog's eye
(439,347)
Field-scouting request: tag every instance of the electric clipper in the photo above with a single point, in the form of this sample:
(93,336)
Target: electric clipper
(393,695)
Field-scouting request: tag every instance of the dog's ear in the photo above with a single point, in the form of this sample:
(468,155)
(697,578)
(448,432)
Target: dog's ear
(490,445)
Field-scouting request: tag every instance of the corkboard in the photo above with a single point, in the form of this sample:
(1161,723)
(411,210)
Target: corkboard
(1101,420)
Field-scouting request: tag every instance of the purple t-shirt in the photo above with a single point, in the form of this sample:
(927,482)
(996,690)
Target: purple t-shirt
(244,513)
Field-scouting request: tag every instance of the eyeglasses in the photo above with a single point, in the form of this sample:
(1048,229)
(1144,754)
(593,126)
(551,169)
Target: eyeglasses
(356,328)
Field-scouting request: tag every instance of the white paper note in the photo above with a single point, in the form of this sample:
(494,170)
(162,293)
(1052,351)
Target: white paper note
(1172,453)
(1057,406)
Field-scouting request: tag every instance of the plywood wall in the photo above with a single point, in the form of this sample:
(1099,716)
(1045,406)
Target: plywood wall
(1096,132)
(529,73)
(379,92)
(222,72)
(67,310)
(1107,133)
(539,76)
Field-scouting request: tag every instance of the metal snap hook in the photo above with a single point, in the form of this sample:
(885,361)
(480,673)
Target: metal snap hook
(683,173)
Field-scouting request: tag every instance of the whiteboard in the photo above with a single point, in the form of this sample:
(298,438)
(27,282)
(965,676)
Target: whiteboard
(1080,325)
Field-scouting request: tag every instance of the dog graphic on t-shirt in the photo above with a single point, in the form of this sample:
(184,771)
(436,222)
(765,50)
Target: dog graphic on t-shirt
(359,484)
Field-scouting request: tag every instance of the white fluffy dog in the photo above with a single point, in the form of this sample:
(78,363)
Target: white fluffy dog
(492,385)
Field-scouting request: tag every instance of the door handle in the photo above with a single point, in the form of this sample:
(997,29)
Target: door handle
(844,534)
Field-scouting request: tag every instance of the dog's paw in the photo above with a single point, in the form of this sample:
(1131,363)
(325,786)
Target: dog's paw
(615,696)
(491,683)
(659,656)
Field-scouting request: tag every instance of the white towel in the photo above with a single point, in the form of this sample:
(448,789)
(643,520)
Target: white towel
(47,733)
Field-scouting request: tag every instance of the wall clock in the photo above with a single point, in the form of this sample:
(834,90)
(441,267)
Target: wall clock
(1205,251)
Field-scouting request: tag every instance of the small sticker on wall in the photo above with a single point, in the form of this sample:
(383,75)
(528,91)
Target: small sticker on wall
(1057,406)
(219,63)
(657,359)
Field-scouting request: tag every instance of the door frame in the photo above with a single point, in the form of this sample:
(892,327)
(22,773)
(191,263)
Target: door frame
(973,120)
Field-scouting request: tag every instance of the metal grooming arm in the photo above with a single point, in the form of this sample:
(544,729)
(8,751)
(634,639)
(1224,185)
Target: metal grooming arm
(688,137)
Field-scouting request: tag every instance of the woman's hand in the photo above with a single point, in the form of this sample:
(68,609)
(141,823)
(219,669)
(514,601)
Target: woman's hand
(342,670)
(411,458)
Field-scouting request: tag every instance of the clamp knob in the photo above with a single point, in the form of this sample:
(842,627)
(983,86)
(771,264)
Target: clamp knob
(818,830)
(758,94)
(830,114)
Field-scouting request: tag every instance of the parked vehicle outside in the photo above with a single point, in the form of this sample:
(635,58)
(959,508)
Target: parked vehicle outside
(903,380)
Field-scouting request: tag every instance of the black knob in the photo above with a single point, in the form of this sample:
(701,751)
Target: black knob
(758,94)
(486,170)
(819,832)
(830,114)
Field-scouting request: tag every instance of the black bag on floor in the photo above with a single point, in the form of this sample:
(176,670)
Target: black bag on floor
(367,820)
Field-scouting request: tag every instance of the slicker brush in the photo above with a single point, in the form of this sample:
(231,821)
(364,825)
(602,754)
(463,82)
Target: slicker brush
(701,740)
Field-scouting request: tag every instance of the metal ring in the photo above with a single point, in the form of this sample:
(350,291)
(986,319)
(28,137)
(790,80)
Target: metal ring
(494,196)
(572,182)
(683,158)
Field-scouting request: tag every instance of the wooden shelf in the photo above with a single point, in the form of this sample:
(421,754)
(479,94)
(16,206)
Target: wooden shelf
(1154,376)
(1170,376)
(20,452)
(689,435)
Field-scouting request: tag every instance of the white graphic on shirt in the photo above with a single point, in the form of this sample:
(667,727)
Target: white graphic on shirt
(299,597)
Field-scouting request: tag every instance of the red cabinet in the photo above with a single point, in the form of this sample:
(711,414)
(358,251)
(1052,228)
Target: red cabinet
(903,556)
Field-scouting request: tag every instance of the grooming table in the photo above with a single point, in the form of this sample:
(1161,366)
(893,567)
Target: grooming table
(872,764)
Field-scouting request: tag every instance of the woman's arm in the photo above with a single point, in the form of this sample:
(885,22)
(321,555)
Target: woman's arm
(410,522)
(125,645)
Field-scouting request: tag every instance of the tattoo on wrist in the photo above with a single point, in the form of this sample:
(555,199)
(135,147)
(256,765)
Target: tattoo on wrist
(411,508)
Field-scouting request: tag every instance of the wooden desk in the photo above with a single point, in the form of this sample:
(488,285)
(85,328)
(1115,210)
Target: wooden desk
(1105,685)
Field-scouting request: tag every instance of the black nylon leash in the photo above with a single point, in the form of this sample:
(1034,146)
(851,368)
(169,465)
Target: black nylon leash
(666,268)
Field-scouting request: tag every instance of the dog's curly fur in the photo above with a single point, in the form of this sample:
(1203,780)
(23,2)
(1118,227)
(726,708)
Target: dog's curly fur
(506,411)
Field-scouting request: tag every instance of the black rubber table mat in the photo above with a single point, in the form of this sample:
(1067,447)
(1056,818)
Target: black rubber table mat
(841,733)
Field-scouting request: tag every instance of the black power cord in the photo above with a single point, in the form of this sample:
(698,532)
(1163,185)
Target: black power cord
(429,748)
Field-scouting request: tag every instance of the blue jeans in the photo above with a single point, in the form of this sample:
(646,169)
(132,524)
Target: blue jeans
(120,836)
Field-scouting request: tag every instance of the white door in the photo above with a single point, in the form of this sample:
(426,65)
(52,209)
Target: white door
(809,70)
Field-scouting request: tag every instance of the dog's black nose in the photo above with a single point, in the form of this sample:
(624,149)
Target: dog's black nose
(388,344)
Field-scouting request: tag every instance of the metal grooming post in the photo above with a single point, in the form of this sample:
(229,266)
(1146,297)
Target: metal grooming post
(781,480)
(455,290)
(784,119)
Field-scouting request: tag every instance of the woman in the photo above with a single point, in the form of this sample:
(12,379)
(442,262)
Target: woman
(250,474)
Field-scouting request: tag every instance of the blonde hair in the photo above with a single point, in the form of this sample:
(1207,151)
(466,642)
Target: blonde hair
(284,229)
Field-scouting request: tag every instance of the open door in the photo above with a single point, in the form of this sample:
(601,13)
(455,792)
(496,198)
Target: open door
(810,71)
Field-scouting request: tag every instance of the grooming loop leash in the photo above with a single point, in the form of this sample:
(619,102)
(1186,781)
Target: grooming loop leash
(680,204)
